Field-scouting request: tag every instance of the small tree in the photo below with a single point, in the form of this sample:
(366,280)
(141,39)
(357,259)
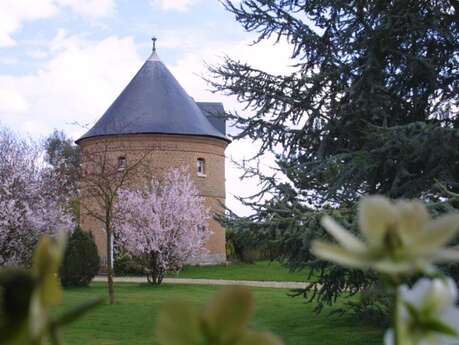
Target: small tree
(81,260)
(164,225)
(101,180)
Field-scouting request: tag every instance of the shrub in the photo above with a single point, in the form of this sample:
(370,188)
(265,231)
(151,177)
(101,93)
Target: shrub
(126,265)
(239,249)
(81,260)
(232,250)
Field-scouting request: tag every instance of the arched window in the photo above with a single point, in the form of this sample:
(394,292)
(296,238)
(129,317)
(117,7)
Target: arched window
(201,167)
(122,163)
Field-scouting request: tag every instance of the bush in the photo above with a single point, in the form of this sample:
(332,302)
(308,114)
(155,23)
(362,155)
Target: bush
(81,260)
(239,249)
(125,265)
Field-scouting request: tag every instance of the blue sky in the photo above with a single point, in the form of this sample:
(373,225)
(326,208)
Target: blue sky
(64,62)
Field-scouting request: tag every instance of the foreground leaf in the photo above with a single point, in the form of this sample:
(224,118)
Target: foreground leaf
(228,313)
(178,324)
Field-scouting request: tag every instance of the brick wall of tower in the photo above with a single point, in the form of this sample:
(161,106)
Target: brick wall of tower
(158,154)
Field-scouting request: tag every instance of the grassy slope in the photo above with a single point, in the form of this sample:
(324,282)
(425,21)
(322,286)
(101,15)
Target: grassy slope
(261,270)
(131,320)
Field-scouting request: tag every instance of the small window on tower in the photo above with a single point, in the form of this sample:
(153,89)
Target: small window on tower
(122,163)
(201,167)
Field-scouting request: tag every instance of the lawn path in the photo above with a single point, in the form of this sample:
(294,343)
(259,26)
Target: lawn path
(187,281)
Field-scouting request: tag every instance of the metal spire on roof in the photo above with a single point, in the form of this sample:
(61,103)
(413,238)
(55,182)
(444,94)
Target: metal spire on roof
(154,56)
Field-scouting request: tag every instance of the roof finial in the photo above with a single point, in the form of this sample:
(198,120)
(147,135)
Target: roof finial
(153,56)
(154,39)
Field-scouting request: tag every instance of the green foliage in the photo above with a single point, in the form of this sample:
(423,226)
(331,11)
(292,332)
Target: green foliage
(61,150)
(374,305)
(286,228)
(369,107)
(26,297)
(81,261)
(222,322)
(242,240)
(63,156)
(239,251)
(126,265)
(230,246)
(365,71)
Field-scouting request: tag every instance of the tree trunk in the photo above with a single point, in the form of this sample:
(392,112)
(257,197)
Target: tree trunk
(111,291)
(160,278)
(155,274)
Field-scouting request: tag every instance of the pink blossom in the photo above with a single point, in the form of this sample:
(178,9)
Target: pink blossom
(28,208)
(165,224)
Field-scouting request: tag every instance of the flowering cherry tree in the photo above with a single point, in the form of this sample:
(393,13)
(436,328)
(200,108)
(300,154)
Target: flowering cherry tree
(164,225)
(29,207)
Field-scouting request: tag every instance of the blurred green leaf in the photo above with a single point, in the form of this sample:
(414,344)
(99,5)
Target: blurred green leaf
(45,265)
(16,288)
(228,313)
(47,259)
(440,327)
(178,324)
(25,298)
(222,322)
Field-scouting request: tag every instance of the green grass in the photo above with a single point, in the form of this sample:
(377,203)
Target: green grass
(261,270)
(131,320)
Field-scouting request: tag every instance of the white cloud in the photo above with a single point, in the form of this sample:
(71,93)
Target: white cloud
(12,102)
(180,5)
(6,60)
(38,54)
(76,85)
(14,13)
(90,8)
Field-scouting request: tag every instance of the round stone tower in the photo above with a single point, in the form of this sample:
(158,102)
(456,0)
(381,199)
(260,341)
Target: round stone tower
(155,125)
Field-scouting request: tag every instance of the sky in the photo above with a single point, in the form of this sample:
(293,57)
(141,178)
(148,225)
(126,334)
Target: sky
(63,62)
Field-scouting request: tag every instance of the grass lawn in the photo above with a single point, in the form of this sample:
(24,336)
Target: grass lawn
(131,321)
(261,270)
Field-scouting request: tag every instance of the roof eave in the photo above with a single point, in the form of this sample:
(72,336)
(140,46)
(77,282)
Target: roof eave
(225,139)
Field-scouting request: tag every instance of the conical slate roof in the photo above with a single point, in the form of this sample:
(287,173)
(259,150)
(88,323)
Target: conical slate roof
(154,103)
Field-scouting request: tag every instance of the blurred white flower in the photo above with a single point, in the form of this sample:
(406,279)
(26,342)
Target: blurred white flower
(399,238)
(429,315)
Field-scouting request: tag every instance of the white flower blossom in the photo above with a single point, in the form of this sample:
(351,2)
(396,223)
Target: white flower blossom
(428,314)
(399,238)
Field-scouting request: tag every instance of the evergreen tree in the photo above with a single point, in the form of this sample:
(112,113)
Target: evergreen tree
(81,260)
(63,158)
(372,107)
